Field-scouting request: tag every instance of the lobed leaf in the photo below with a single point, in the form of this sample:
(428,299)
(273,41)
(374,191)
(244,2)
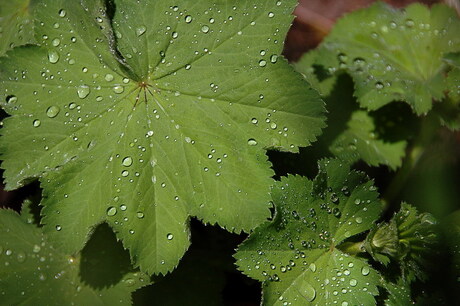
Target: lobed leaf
(16,24)
(298,256)
(394,54)
(360,141)
(166,115)
(35,273)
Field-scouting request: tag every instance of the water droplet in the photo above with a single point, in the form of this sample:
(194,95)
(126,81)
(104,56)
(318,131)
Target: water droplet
(140,214)
(108,77)
(56,42)
(205,29)
(36,123)
(188,19)
(353,282)
(8,252)
(365,271)
(252,142)
(83,91)
(124,173)
(58,227)
(62,13)
(118,89)
(53,111)
(53,57)
(169,236)
(262,63)
(111,211)
(274,58)
(36,248)
(313,267)
(359,220)
(127,161)
(21,257)
(141,30)
(270,15)
(308,292)
(254,120)
(123,207)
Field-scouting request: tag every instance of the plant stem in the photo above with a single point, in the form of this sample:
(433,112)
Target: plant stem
(352,248)
(428,129)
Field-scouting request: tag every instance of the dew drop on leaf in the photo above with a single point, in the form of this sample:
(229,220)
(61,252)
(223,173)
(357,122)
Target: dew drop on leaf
(108,77)
(36,123)
(170,236)
(252,142)
(53,57)
(205,29)
(188,19)
(83,91)
(111,211)
(141,30)
(118,89)
(127,161)
(53,111)
(365,271)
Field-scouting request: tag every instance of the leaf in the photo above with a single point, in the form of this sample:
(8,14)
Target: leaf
(399,293)
(16,24)
(299,256)
(394,54)
(318,78)
(166,116)
(35,273)
(360,141)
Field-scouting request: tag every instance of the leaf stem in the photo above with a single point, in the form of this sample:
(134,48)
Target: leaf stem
(352,248)
(428,129)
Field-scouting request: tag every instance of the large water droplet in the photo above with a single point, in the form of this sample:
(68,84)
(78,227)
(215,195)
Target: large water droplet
(365,271)
(188,19)
(141,30)
(111,211)
(252,142)
(53,111)
(205,29)
(36,123)
(118,89)
(83,91)
(127,161)
(169,236)
(53,57)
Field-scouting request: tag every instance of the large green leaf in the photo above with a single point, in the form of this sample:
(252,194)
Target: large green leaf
(33,272)
(298,255)
(360,141)
(394,54)
(175,122)
(16,24)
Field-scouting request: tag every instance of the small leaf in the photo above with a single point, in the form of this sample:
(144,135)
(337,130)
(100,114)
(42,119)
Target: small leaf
(166,115)
(299,256)
(16,24)
(399,293)
(360,141)
(35,273)
(394,54)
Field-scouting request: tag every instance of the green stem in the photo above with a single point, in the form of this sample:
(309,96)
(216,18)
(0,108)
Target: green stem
(352,248)
(428,129)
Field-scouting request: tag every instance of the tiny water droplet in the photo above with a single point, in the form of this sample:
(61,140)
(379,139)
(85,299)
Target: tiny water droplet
(140,214)
(36,123)
(58,227)
(169,236)
(108,77)
(188,19)
(262,63)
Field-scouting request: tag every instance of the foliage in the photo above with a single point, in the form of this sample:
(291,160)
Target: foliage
(136,116)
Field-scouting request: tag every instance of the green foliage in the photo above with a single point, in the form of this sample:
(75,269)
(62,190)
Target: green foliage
(151,121)
(136,116)
(299,256)
(34,272)
(360,141)
(16,24)
(394,54)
